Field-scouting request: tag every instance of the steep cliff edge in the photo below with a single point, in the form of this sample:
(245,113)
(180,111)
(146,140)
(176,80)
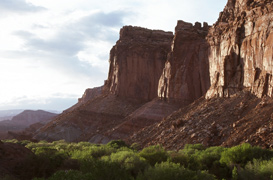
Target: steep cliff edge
(241,43)
(185,77)
(137,61)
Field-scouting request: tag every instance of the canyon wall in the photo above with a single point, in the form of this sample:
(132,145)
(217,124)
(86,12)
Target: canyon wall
(241,44)
(185,77)
(137,61)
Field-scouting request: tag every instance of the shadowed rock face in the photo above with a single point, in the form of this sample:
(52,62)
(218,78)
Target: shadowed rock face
(185,77)
(10,157)
(241,44)
(137,61)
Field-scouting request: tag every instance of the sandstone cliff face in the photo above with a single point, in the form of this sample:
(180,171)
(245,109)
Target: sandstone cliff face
(241,44)
(137,61)
(185,77)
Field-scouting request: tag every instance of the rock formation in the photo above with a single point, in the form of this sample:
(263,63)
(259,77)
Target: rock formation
(241,45)
(240,51)
(151,70)
(137,61)
(88,95)
(185,77)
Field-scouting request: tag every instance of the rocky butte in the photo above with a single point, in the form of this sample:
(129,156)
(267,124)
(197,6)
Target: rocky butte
(136,63)
(204,84)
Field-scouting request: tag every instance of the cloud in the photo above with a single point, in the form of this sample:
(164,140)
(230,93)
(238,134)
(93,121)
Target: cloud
(92,35)
(50,103)
(18,6)
(72,37)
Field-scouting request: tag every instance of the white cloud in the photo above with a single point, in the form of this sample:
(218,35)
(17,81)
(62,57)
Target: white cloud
(18,6)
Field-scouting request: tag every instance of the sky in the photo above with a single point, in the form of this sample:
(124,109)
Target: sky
(52,50)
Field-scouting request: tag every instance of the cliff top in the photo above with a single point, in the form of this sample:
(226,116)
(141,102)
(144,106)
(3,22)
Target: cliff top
(142,34)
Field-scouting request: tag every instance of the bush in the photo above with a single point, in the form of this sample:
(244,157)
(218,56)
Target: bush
(240,155)
(258,169)
(172,171)
(71,175)
(135,146)
(130,161)
(154,154)
(192,148)
(117,144)
(102,170)
(92,152)
(179,158)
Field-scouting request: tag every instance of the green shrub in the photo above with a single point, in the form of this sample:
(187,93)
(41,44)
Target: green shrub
(135,146)
(258,169)
(117,144)
(192,148)
(244,153)
(179,158)
(103,170)
(71,175)
(172,171)
(235,173)
(130,161)
(92,152)
(154,154)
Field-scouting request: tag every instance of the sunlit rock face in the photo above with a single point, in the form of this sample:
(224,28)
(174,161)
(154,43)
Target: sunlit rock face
(185,77)
(241,44)
(137,61)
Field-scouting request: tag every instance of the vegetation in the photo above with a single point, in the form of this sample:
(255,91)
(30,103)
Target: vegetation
(60,160)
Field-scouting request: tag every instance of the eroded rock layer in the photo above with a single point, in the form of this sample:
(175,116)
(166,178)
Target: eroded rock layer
(185,77)
(137,61)
(241,44)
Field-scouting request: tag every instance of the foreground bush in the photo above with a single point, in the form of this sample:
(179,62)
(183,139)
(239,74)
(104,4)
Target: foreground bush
(130,161)
(172,171)
(258,169)
(154,154)
(241,154)
(118,161)
(102,170)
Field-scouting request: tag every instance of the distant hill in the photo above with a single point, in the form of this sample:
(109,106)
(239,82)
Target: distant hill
(9,114)
(24,120)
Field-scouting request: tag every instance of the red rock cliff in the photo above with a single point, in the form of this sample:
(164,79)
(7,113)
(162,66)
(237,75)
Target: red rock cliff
(185,77)
(241,44)
(137,61)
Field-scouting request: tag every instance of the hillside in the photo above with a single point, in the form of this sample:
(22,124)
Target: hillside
(24,120)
